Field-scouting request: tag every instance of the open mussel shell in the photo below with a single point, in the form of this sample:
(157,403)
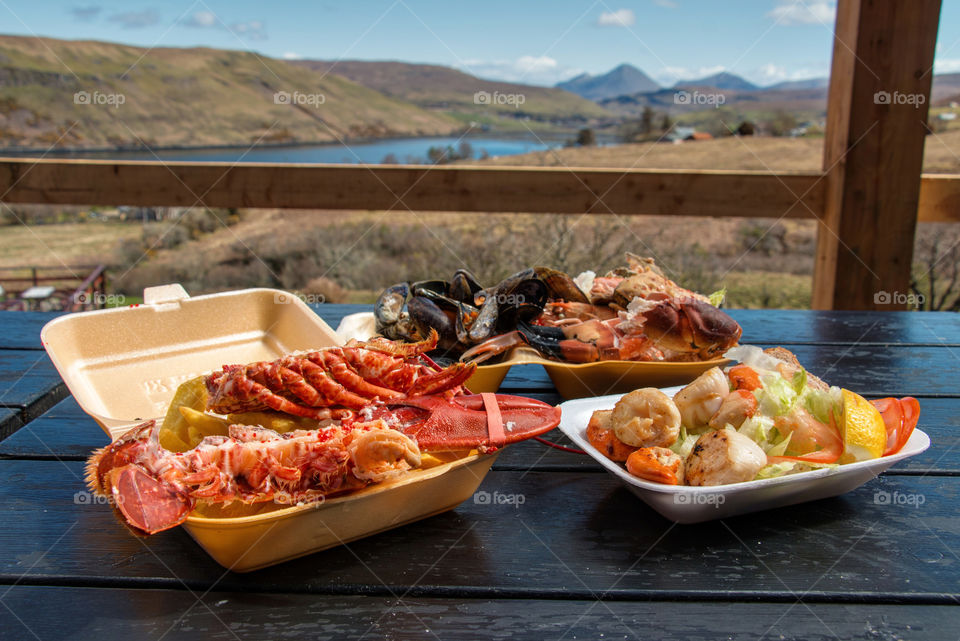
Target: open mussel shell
(464,286)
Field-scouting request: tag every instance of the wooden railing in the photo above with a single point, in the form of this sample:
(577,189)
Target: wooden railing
(868,198)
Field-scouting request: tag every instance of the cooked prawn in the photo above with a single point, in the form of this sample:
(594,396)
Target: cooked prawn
(737,406)
(815,441)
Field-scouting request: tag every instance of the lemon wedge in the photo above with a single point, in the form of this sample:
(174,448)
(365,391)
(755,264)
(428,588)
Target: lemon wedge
(864,434)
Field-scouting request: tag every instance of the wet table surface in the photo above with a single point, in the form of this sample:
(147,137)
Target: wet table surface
(579,557)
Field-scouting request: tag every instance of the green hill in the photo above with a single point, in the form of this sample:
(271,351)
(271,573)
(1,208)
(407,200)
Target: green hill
(185,97)
(446,90)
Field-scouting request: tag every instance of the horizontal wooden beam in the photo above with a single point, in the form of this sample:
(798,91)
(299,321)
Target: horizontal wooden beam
(420,188)
(939,198)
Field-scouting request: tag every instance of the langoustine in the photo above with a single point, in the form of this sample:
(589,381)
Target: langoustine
(156,489)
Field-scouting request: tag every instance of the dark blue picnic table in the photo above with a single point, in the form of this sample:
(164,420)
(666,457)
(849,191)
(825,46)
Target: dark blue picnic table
(579,557)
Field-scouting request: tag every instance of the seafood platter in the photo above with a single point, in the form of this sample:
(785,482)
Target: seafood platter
(764,433)
(592,334)
(250,425)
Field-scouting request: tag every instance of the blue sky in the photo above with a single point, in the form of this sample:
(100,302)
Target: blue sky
(532,41)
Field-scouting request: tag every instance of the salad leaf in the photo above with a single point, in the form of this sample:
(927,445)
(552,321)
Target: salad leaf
(716,298)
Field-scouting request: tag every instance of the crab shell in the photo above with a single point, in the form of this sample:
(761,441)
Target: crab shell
(690,325)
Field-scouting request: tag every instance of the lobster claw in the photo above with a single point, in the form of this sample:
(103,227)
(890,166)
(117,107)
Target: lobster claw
(482,421)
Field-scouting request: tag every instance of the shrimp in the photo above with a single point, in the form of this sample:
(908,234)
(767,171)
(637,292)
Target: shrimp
(657,464)
(807,435)
(721,457)
(602,437)
(645,418)
(702,398)
(737,407)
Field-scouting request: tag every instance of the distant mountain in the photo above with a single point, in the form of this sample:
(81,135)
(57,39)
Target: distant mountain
(722,80)
(623,80)
(810,83)
(114,95)
(438,88)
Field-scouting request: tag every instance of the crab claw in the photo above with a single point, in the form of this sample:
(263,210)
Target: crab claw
(483,421)
(690,325)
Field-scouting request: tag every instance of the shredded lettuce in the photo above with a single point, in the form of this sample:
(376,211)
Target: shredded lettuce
(760,430)
(774,470)
(684,443)
(716,298)
(821,404)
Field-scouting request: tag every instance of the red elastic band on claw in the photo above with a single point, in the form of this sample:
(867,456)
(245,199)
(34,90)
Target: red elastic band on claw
(498,437)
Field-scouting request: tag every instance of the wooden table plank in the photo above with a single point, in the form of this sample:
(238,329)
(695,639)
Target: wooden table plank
(97,613)
(21,330)
(29,382)
(10,421)
(606,539)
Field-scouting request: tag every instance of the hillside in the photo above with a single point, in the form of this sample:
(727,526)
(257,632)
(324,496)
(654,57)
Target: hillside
(624,79)
(184,97)
(722,80)
(446,90)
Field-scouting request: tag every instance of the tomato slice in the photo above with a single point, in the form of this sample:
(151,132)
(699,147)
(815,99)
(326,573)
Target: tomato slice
(892,413)
(900,416)
(910,407)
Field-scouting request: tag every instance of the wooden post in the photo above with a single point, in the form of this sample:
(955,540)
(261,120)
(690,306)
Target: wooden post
(873,153)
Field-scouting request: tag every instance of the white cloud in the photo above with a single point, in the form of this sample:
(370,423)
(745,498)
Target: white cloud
(534,70)
(291,55)
(946,65)
(201,19)
(136,19)
(252,30)
(618,18)
(793,12)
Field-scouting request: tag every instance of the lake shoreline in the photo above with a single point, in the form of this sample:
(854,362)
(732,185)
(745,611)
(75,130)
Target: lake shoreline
(79,151)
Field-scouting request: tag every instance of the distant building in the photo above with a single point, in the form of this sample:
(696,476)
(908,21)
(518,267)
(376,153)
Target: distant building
(678,134)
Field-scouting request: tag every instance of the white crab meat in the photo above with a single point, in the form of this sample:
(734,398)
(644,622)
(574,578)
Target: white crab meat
(721,457)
